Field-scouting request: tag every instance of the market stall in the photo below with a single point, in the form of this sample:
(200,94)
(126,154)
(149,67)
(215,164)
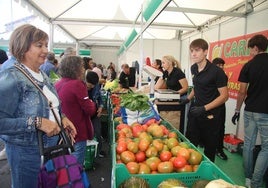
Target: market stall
(153,149)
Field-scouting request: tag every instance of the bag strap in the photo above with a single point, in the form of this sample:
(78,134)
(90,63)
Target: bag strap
(62,133)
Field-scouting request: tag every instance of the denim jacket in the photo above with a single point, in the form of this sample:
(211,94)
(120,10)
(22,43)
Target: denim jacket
(20,100)
(95,95)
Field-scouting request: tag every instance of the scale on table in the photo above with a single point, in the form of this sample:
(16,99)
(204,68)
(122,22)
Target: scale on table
(160,94)
(153,74)
(166,95)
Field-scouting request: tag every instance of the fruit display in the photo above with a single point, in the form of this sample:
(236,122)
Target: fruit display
(171,183)
(153,148)
(134,182)
(111,85)
(155,151)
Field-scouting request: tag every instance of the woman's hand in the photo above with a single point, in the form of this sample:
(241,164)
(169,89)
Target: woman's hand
(70,128)
(99,111)
(51,128)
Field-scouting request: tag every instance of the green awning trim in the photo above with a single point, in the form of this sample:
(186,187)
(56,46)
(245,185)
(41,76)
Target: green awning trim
(149,8)
(130,38)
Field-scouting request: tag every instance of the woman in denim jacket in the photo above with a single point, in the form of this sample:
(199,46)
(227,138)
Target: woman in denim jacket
(24,110)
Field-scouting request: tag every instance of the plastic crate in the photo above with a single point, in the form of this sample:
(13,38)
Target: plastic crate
(231,143)
(206,170)
(91,153)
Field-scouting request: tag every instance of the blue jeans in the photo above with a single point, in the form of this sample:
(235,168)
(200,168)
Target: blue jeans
(80,151)
(24,162)
(253,123)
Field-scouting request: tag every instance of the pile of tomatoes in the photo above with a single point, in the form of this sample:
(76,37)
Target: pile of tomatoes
(115,101)
(152,148)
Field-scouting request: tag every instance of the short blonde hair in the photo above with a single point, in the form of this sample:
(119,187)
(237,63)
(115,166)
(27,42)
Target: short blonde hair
(172,60)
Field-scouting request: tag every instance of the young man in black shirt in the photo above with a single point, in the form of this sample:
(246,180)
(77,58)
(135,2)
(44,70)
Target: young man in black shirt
(209,94)
(253,91)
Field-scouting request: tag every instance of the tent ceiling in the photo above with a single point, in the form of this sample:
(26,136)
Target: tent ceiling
(109,22)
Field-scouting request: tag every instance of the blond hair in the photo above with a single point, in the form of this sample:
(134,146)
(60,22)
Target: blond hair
(172,60)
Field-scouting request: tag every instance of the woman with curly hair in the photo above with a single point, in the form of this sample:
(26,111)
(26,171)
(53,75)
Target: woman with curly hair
(76,104)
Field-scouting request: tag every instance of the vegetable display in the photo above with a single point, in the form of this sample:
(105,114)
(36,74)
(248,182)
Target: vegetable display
(111,85)
(135,101)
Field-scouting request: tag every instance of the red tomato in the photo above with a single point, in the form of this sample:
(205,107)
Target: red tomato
(179,162)
(151,152)
(144,169)
(165,167)
(145,127)
(133,146)
(172,142)
(184,153)
(144,144)
(186,168)
(121,147)
(153,162)
(172,134)
(150,121)
(158,144)
(140,156)
(127,156)
(195,158)
(121,126)
(137,129)
(133,167)
(165,155)
(165,130)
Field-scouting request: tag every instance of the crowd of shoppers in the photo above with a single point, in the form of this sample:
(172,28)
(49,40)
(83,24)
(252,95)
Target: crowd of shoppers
(77,100)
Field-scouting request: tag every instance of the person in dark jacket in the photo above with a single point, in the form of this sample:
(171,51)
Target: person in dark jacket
(94,93)
(49,65)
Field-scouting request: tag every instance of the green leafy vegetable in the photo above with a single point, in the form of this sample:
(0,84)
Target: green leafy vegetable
(135,101)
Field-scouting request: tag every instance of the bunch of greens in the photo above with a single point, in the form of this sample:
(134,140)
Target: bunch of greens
(135,101)
(111,85)
(54,77)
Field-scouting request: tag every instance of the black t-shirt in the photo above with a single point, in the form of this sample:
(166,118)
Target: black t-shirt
(207,82)
(128,80)
(255,73)
(172,79)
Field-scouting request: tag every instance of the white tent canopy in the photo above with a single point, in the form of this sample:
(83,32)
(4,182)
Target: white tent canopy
(110,22)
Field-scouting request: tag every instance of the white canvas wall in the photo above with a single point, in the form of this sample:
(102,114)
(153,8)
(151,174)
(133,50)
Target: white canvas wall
(104,55)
